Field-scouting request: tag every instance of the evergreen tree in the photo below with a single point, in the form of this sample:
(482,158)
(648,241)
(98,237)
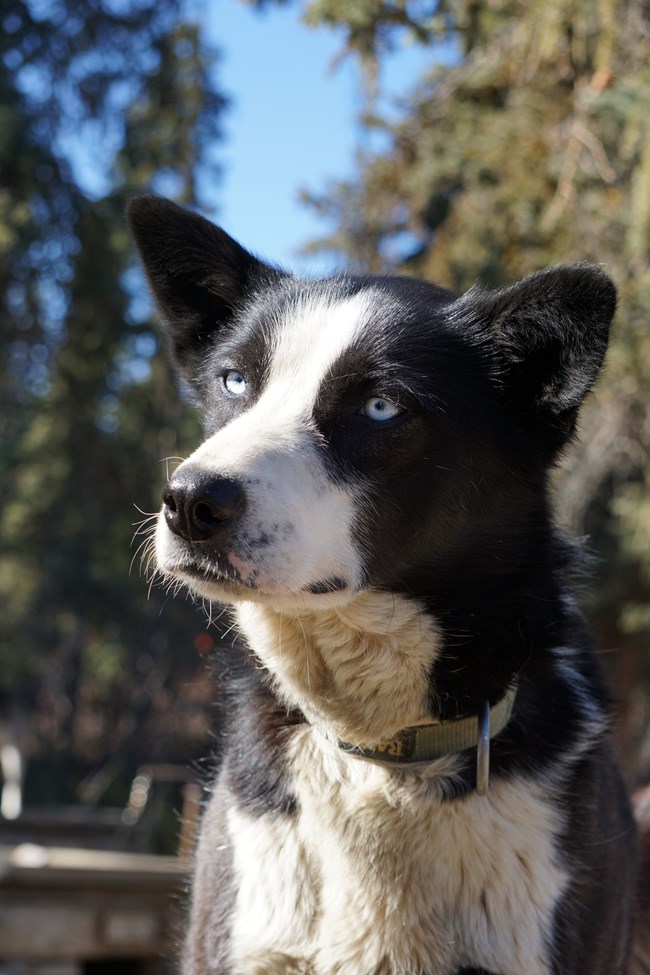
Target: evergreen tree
(526,143)
(97,101)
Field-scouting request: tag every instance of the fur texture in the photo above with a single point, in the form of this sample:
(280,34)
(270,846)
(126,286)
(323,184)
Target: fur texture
(371,498)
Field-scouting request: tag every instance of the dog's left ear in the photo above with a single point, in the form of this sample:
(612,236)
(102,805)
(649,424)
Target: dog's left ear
(198,274)
(548,334)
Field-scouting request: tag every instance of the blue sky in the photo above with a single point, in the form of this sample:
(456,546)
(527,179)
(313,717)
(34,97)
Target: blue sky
(292,123)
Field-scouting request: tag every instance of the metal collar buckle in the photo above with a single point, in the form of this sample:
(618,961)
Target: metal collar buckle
(483,750)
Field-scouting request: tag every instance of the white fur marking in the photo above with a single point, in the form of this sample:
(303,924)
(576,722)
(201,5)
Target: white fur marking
(360,672)
(305,347)
(275,920)
(404,884)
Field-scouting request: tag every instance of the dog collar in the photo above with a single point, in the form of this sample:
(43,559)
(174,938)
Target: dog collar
(422,744)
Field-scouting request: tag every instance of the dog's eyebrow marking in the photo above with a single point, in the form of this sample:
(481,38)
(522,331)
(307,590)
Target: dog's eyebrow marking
(308,341)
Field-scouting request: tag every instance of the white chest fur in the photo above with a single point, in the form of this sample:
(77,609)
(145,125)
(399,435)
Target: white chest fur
(376,876)
(360,671)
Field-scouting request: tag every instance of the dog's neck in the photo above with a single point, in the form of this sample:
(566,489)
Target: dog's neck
(360,672)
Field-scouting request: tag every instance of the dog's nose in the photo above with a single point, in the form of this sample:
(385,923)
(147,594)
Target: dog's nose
(198,505)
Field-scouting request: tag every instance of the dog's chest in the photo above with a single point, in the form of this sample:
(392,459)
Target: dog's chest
(372,878)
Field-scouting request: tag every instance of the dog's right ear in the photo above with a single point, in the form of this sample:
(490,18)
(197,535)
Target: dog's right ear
(199,276)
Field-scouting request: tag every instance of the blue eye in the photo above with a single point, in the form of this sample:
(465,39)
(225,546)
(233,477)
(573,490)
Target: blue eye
(235,382)
(380,409)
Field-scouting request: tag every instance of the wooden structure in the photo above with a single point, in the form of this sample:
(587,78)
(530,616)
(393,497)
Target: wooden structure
(61,909)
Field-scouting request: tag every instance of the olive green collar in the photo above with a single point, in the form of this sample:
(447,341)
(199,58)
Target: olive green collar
(424,743)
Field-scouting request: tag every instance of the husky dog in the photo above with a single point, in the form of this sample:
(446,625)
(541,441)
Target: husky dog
(417,778)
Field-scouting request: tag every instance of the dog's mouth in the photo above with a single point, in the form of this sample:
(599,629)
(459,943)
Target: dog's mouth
(228,581)
(215,574)
(325,586)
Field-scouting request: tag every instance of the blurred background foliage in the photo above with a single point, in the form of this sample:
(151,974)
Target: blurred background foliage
(525,143)
(95,679)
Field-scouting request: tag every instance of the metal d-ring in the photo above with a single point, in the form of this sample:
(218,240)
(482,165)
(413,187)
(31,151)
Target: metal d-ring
(483,750)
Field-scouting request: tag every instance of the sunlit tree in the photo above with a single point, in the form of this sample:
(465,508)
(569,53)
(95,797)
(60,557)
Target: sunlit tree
(526,143)
(97,101)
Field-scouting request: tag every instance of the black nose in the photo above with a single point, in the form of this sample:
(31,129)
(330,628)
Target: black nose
(199,505)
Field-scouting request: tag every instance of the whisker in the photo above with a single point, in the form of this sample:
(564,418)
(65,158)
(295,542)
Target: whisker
(148,559)
(151,582)
(304,635)
(142,546)
(148,514)
(150,517)
(167,460)
(146,527)
(230,629)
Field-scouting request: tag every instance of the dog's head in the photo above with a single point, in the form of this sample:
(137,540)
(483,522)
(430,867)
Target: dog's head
(361,432)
